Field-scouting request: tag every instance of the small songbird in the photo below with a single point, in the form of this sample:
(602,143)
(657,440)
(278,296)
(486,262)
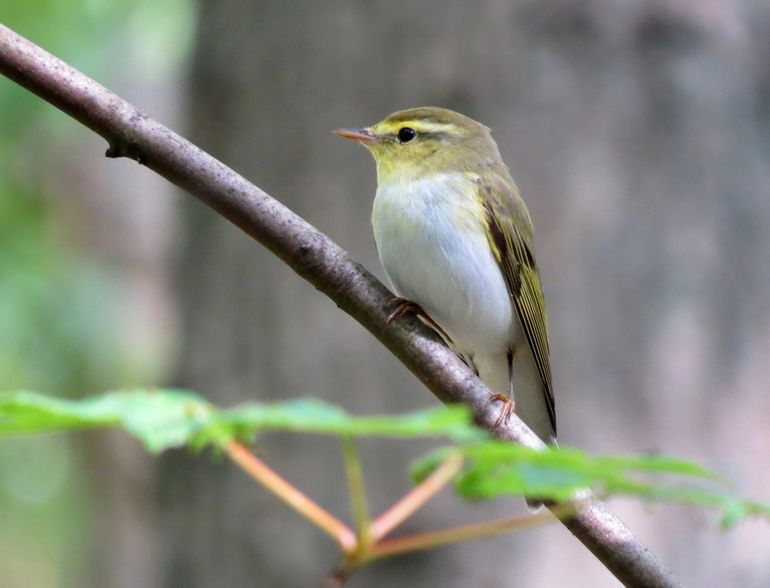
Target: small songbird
(455,239)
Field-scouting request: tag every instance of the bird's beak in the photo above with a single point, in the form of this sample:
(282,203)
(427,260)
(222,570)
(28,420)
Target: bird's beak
(364,136)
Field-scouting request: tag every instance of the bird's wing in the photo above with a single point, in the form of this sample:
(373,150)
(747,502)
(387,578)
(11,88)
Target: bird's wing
(510,237)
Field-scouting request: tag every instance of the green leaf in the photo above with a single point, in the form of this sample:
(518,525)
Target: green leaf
(313,416)
(162,419)
(494,469)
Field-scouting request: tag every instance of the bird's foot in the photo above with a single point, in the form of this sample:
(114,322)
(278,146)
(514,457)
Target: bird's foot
(403,306)
(509,405)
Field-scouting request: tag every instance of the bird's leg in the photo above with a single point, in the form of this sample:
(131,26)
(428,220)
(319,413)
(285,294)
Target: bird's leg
(404,306)
(509,405)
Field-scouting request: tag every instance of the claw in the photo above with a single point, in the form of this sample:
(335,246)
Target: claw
(402,307)
(509,406)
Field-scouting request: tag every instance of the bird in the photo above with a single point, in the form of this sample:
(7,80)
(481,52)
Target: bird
(455,239)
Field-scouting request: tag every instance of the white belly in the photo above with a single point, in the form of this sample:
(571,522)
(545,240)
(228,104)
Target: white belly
(431,243)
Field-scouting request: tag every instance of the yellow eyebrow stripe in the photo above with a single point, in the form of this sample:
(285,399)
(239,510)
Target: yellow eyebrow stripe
(421,126)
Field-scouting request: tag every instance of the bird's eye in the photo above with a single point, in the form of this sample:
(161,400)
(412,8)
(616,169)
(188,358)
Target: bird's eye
(406,134)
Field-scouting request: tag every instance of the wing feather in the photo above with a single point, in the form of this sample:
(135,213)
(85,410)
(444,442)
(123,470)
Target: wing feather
(510,237)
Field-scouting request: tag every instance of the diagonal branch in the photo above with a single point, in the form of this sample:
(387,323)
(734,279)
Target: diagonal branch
(316,258)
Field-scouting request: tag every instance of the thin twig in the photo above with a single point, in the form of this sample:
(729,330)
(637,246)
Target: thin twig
(416,498)
(315,257)
(258,470)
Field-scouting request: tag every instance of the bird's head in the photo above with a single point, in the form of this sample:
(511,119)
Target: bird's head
(411,144)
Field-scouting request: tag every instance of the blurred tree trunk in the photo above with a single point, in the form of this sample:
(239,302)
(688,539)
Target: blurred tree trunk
(634,131)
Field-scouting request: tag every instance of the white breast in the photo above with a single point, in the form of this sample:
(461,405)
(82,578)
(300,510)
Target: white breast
(431,243)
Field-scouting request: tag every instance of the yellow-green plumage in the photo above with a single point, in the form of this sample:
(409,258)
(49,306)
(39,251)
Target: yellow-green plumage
(511,240)
(455,237)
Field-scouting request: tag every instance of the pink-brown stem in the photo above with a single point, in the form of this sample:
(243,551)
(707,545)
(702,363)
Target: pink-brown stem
(398,545)
(416,498)
(258,470)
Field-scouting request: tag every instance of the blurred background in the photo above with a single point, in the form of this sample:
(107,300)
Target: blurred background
(639,132)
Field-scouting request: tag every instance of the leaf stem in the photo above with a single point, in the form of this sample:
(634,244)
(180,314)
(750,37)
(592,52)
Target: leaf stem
(416,498)
(419,541)
(357,490)
(309,509)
